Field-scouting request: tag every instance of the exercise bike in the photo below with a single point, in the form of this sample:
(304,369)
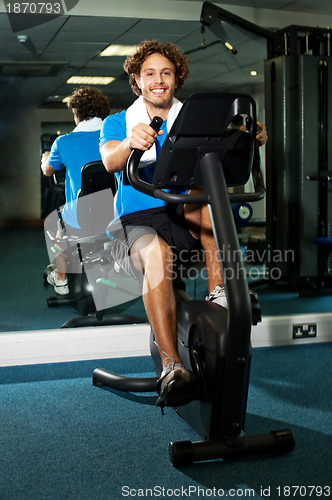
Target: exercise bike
(204,148)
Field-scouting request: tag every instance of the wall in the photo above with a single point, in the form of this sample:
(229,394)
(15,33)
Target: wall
(20,130)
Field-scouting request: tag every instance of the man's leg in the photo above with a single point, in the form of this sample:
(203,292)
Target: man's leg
(199,225)
(58,277)
(152,256)
(60,262)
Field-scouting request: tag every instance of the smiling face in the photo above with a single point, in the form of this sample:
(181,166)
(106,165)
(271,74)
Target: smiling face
(157,82)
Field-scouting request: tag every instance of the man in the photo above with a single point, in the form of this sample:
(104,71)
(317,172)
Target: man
(72,151)
(155,231)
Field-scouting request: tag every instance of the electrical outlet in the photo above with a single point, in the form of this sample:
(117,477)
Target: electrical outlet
(304,331)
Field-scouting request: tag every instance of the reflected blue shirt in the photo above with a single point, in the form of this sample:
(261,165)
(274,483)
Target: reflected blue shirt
(74,150)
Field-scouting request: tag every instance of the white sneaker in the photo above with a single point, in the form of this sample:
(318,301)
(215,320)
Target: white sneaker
(172,371)
(60,286)
(218,296)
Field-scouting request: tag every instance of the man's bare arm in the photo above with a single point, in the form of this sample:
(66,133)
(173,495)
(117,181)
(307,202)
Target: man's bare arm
(45,166)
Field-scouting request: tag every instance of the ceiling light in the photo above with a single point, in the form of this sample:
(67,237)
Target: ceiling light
(22,38)
(230,47)
(91,80)
(119,50)
(253,72)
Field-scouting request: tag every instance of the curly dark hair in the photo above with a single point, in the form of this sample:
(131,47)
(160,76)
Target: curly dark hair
(133,64)
(88,103)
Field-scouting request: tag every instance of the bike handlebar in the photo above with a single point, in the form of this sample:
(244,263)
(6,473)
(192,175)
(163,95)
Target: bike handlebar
(169,197)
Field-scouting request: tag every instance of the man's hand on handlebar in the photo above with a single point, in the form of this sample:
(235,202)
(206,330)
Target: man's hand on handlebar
(261,134)
(142,137)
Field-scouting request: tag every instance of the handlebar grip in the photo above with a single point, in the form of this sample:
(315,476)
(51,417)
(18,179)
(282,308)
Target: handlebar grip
(156,123)
(133,162)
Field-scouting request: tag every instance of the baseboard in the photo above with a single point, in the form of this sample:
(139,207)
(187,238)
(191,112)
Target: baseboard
(78,344)
(278,330)
(73,344)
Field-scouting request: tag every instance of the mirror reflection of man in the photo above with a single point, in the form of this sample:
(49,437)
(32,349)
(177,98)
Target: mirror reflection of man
(90,107)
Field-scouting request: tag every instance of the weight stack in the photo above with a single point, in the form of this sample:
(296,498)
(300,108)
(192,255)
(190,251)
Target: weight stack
(298,100)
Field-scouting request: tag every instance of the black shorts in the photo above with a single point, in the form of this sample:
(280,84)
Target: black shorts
(166,222)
